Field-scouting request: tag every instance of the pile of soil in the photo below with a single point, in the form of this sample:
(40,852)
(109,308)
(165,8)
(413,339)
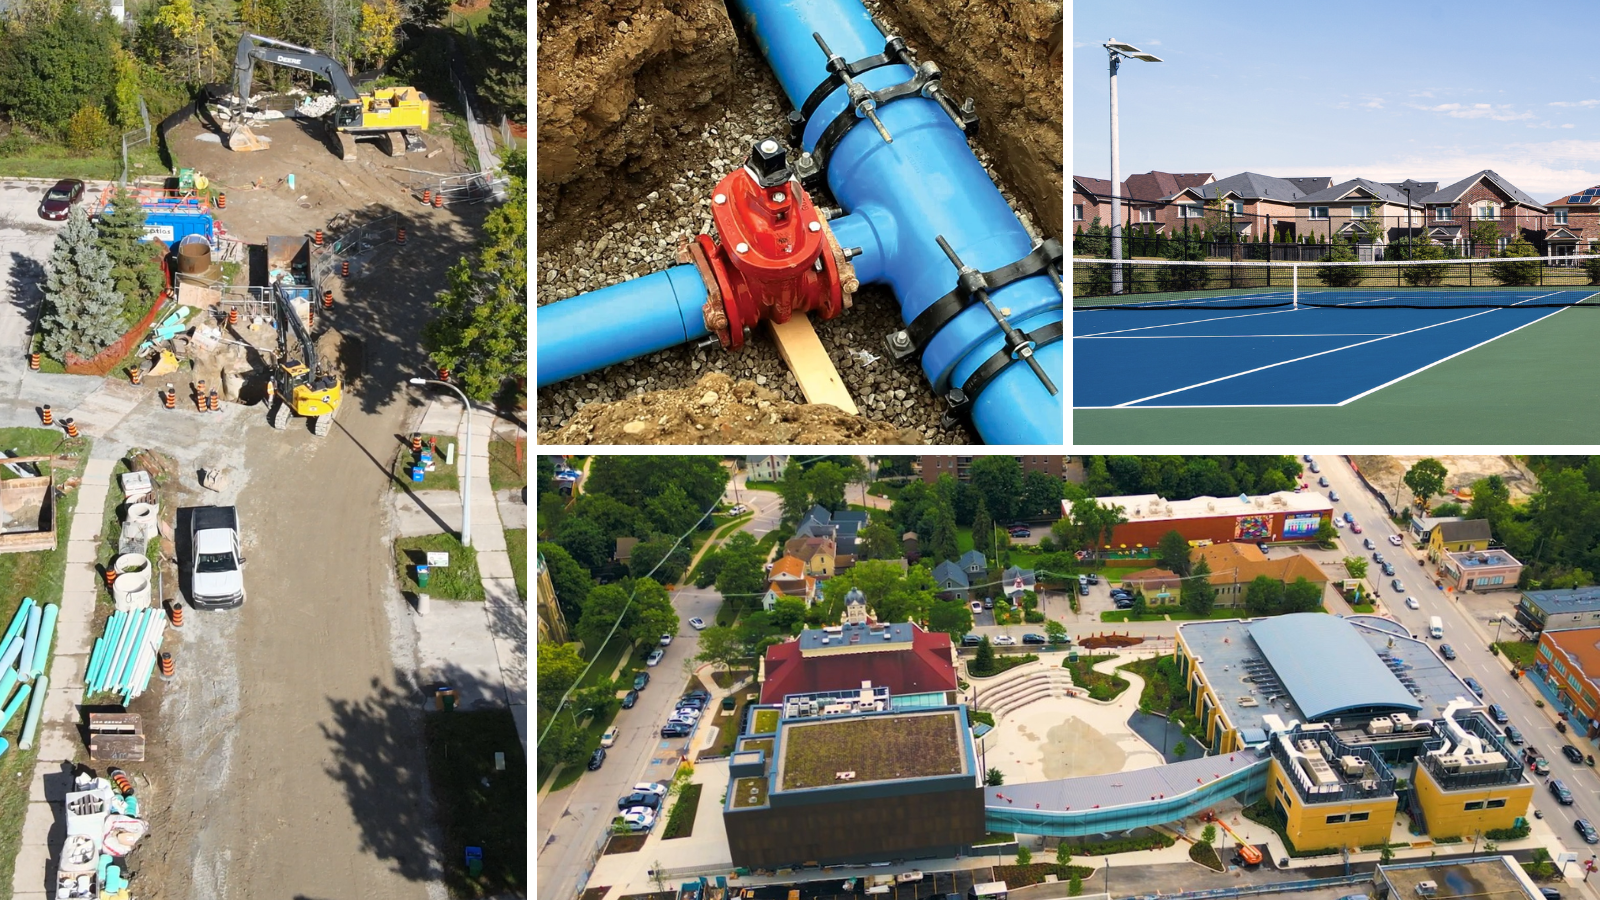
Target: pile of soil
(719,410)
(1007,56)
(1387,474)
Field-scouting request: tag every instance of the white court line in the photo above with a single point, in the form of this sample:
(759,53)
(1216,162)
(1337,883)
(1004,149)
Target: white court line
(1322,353)
(1243,315)
(1181,337)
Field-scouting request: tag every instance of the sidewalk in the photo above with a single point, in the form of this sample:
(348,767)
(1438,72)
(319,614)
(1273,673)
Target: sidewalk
(480,650)
(58,730)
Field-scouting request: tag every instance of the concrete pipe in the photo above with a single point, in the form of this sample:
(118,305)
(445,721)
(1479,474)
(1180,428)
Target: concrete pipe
(131,591)
(132,563)
(140,514)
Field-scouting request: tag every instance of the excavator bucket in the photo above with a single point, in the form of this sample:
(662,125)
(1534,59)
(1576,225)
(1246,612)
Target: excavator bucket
(243,140)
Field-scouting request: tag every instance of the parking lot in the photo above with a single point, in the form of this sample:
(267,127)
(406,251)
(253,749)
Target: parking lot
(25,242)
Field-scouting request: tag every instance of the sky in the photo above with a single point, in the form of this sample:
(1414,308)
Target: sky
(1386,91)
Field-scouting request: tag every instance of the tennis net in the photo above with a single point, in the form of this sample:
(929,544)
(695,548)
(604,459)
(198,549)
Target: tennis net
(1158,284)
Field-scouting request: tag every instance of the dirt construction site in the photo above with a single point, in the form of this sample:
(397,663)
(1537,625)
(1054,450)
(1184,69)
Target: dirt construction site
(285,758)
(644,105)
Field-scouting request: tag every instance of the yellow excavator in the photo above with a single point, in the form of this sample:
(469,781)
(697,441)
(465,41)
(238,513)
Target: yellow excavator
(301,385)
(400,113)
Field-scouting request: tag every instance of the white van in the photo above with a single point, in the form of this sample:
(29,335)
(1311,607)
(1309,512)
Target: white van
(1435,627)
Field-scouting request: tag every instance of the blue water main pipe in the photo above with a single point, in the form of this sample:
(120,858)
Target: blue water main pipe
(898,196)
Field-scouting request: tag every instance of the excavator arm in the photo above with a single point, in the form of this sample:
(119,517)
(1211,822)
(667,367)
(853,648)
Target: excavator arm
(255,47)
(292,331)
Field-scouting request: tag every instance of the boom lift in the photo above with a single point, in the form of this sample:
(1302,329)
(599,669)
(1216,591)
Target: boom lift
(300,385)
(399,112)
(1249,853)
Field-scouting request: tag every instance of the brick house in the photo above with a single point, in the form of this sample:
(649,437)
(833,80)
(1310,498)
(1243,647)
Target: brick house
(1337,211)
(1091,199)
(1484,197)
(1145,193)
(1573,224)
(1257,202)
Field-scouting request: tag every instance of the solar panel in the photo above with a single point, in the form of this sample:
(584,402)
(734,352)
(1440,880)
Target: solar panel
(1578,198)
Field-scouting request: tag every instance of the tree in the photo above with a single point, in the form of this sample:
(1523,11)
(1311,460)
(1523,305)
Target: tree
(1356,566)
(1173,552)
(1181,750)
(645,613)
(795,493)
(1386,855)
(742,579)
(583,539)
(878,541)
(1075,884)
(1302,595)
(983,663)
(1041,495)
(380,22)
(559,668)
(88,131)
(1327,534)
(1197,594)
(983,539)
(1139,608)
(1526,272)
(1054,631)
(1063,854)
(135,262)
(672,554)
(788,613)
(951,617)
(635,480)
(614,518)
(481,331)
(1372,223)
(994,778)
(83,310)
(719,645)
(998,480)
(54,67)
(672,512)
(1208,834)
(1024,855)
(941,543)
(1425,479)
(1263,596)
(571,581)
(1423,248)
(1339,276)
(825,483)
(710,566)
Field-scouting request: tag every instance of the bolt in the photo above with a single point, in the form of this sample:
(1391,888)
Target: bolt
(769,146)
(720,199)
(779,197)
(900,339)
(815,226)
(818,264)
(742,248)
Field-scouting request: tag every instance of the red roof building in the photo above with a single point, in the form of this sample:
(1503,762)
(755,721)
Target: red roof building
(900,656)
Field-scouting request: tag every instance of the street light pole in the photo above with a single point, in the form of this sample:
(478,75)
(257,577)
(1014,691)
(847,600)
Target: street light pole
(1411,239)
(1117,50)
(466,460)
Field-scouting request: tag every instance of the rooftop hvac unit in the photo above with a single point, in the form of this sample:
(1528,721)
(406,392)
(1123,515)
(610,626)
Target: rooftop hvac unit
(1381,725)
(824,639)
(1427,888)
(1248,701)
(1352,765)
(1402,721)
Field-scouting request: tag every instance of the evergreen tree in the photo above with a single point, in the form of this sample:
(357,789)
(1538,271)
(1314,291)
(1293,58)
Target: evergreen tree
(1173,553)
(941,544)
(135,266)
(983,531)
(1198,596)
(983,663)
(505,45)
(1340,276)
(1526,272)
(83,309)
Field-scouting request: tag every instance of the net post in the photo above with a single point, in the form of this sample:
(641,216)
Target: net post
(1294,281)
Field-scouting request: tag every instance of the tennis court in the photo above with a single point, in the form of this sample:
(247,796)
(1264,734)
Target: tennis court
(1256,341)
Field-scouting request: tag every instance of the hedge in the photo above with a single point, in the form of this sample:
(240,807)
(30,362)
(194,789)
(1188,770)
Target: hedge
(680,823)
(1149,841)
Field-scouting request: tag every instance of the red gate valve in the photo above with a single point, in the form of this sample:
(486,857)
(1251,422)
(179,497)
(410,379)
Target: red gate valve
(774,254)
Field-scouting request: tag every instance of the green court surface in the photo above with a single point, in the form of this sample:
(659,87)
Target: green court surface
(1539,385)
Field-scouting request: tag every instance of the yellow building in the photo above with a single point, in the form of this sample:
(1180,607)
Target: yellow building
(1458,537)
(1328,796)
(819,554)
(552,624)
(1473,782)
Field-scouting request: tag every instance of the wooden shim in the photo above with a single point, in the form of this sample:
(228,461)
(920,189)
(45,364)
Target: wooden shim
(802,350)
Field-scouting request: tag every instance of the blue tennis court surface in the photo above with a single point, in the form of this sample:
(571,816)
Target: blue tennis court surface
(1285,356)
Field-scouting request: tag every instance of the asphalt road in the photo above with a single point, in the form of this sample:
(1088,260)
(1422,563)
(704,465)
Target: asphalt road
(1471,643)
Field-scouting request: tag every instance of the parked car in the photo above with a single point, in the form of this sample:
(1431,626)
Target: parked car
(651,787)
(971,640)
(1083,590)
(1498,714)
(217,567)
(59,200)
(640,798)
(638,818)
(1411,603)
(1573,754)
(1396,539)
(1035,639)
(1587,830)
(640,680)
(741,509)
(676,729)
(686,714)
(597,758)
(1562,794)
(1093,578)
(654,659)
(1021,533)
(666,639)
(629,699)
(1473,685)
(1124,604)
(697,623)
(1122,592)
(1447,651)
(1513,734)
(1003,640)
(698,697)
(609,739)
(1550,893)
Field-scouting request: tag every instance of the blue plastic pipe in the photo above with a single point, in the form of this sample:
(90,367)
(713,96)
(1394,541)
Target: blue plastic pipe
(47,630)
(18,621)
(8,658)
(30,722)
(899,196)
(14,705)
(30,639)
(618,323)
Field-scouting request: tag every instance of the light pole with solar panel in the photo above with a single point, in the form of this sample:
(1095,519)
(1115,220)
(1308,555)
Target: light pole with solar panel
(1117,50)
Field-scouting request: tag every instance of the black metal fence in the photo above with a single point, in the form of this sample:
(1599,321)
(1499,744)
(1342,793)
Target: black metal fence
(1199,246)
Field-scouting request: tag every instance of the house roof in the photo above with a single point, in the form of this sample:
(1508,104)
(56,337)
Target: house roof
(1153,185)
(1582,646)
(1419,189)
(625,547)
(1097,188)
(949,571)
(1363,682)
(1310,183)
(1454,192)
(1344,189)
(923,666)
(791,567)
(973,558)
(1251,186)
(1465,530)
(1154,577)
(807,547)
(1589,196)
(1245,562)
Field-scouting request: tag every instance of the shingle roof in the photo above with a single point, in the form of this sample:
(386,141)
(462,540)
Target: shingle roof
(1154,185)
(972,558)
(1384,192)
(1419,189)
(1311,183)
(1362,682)
(923,667)
(1453,193)
(949,571)
(1465,530)
(1590,197)
(1098,188)
(789,566)
(1252,186)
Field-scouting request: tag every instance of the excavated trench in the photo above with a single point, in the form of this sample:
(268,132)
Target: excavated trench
(643,105)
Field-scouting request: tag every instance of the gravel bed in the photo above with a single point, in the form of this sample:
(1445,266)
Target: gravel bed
(638,231)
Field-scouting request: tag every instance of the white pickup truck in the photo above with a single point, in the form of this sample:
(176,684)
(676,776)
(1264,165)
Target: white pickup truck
(217,576)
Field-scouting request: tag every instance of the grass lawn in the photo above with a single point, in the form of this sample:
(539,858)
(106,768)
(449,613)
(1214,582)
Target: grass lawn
(680,822)
(457,581)
(442,478)
(1003,663)
(875,748)
(1100,685)
(728,735)
(508,464)
(480,803)
(766,722)
(1172,611)
(749,791)
(1363,607)
(1520,653)
(963,540)
(52,161)
(517,549)
(38,575)
(885,489)
(770,487)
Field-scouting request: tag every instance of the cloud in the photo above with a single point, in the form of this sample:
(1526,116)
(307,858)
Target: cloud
(1501,113)
(1545,169)
(1568,125)
(1579,103)
(1374,103)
